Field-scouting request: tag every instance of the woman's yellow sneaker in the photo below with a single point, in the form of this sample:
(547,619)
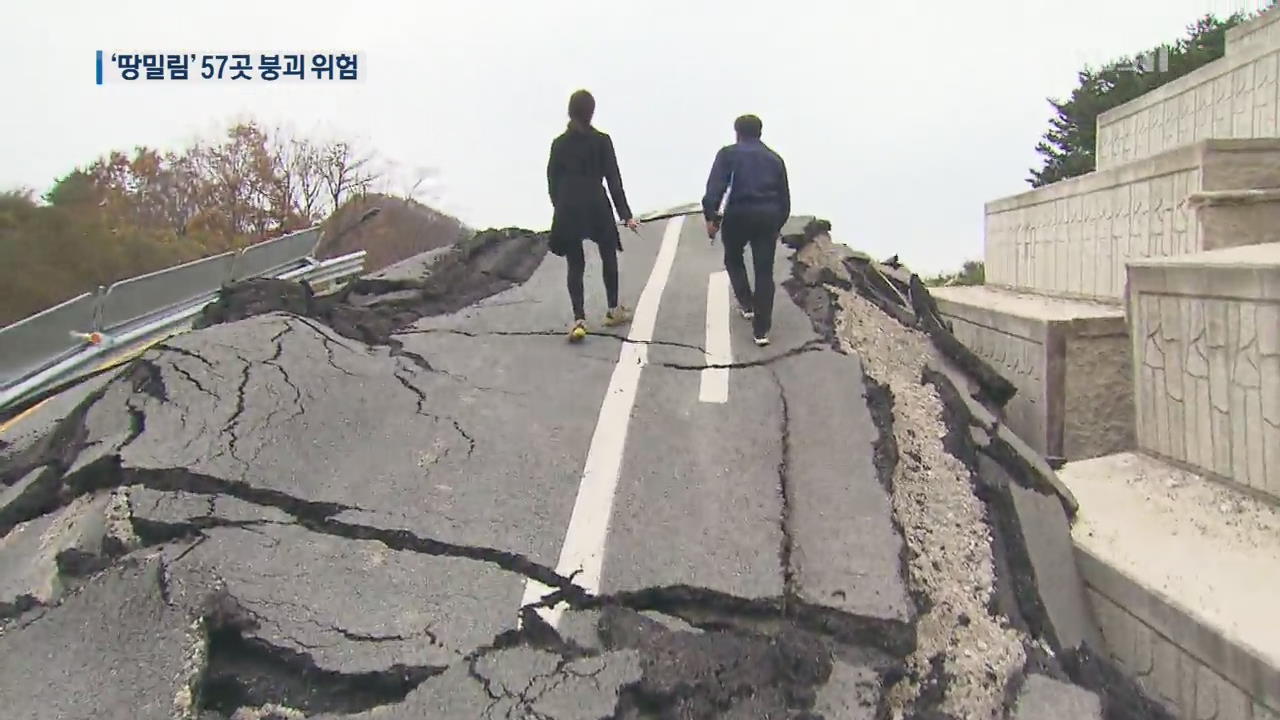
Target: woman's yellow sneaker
(578,332)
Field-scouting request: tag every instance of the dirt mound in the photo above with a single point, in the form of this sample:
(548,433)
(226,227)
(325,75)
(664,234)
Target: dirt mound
(402,228)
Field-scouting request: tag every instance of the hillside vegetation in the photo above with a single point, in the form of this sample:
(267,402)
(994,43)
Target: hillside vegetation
(130,213)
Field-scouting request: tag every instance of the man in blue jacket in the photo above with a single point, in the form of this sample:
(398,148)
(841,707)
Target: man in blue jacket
(759,204)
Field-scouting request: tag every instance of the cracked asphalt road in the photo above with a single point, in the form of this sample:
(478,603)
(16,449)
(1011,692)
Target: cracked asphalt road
(272,518)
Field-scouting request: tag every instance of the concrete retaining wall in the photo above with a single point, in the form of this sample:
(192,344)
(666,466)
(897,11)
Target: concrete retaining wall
(1206,348)
(1073,238)
(1172,655)
(1182,575)
(1259,31)
(1069,361)
(1232,97)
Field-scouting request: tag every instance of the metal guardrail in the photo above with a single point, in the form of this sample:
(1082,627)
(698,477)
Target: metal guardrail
(86,332)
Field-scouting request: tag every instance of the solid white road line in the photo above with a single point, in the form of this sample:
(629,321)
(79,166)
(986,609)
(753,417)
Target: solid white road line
(715,381)
(583,549)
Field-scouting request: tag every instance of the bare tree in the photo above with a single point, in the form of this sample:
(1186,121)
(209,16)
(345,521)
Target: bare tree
(425,181)
(298,193)
(345,172)
(238,182)
(309,183)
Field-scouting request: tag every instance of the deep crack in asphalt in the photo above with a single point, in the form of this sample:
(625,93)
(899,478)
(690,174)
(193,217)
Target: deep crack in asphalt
(786,545)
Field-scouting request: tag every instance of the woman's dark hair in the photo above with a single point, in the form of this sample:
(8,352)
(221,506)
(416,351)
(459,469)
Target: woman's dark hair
(748,126)
(582,106)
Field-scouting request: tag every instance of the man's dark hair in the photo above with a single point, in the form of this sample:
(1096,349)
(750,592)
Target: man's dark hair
(582,106)
(748,126)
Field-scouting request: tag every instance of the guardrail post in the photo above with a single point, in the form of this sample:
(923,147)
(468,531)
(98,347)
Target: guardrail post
(235,266)
(231,270)
(99,301)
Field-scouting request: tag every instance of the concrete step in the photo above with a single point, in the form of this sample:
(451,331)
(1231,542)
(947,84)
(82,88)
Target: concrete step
(1183,574)
(1069,360)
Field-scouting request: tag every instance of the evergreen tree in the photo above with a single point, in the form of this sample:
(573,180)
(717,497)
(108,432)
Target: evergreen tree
(1069,147)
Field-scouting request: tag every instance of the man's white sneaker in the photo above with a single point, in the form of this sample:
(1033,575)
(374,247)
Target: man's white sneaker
(748,314)
(762,341)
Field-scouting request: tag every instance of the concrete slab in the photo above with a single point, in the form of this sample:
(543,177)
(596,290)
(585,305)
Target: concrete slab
(1038,540)
(413,268)
(1185,558)
(1238,217)
(762,500)
(28,573)
(1047,537)
(1265,255)
(1043,698)
(350,522)
(715,488)
(1200,104)
(543,684)
(24,497)
(1017,305)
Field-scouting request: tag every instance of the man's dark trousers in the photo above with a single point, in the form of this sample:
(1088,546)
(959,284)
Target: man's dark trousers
(757,229)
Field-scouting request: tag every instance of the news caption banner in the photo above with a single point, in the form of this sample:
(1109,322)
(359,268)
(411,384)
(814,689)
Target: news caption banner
(113,67)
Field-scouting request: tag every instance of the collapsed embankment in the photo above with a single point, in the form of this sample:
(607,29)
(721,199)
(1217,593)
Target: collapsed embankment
(985,520)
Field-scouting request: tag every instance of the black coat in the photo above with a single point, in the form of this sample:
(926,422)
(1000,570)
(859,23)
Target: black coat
(580,160)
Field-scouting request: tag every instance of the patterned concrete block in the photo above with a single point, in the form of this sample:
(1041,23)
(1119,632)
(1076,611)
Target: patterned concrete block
(1263,29)
(1218,699)
(1232,97)
(1170,674)
(1165,679)
(1074,237)
(1068,360)
(1206,352)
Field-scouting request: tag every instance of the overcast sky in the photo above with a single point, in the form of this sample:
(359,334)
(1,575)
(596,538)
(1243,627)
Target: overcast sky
(897,120)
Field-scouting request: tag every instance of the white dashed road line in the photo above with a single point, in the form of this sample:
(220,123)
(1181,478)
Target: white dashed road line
(715,380)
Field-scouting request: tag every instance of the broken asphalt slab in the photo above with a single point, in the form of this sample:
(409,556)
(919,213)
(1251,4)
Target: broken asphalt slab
(353,617)
(44,557)
(833,491)
(116,648)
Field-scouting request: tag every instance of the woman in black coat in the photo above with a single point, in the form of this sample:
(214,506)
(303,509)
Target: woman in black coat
(581,158)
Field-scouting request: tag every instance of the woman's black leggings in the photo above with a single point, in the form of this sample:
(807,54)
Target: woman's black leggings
(578,266)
